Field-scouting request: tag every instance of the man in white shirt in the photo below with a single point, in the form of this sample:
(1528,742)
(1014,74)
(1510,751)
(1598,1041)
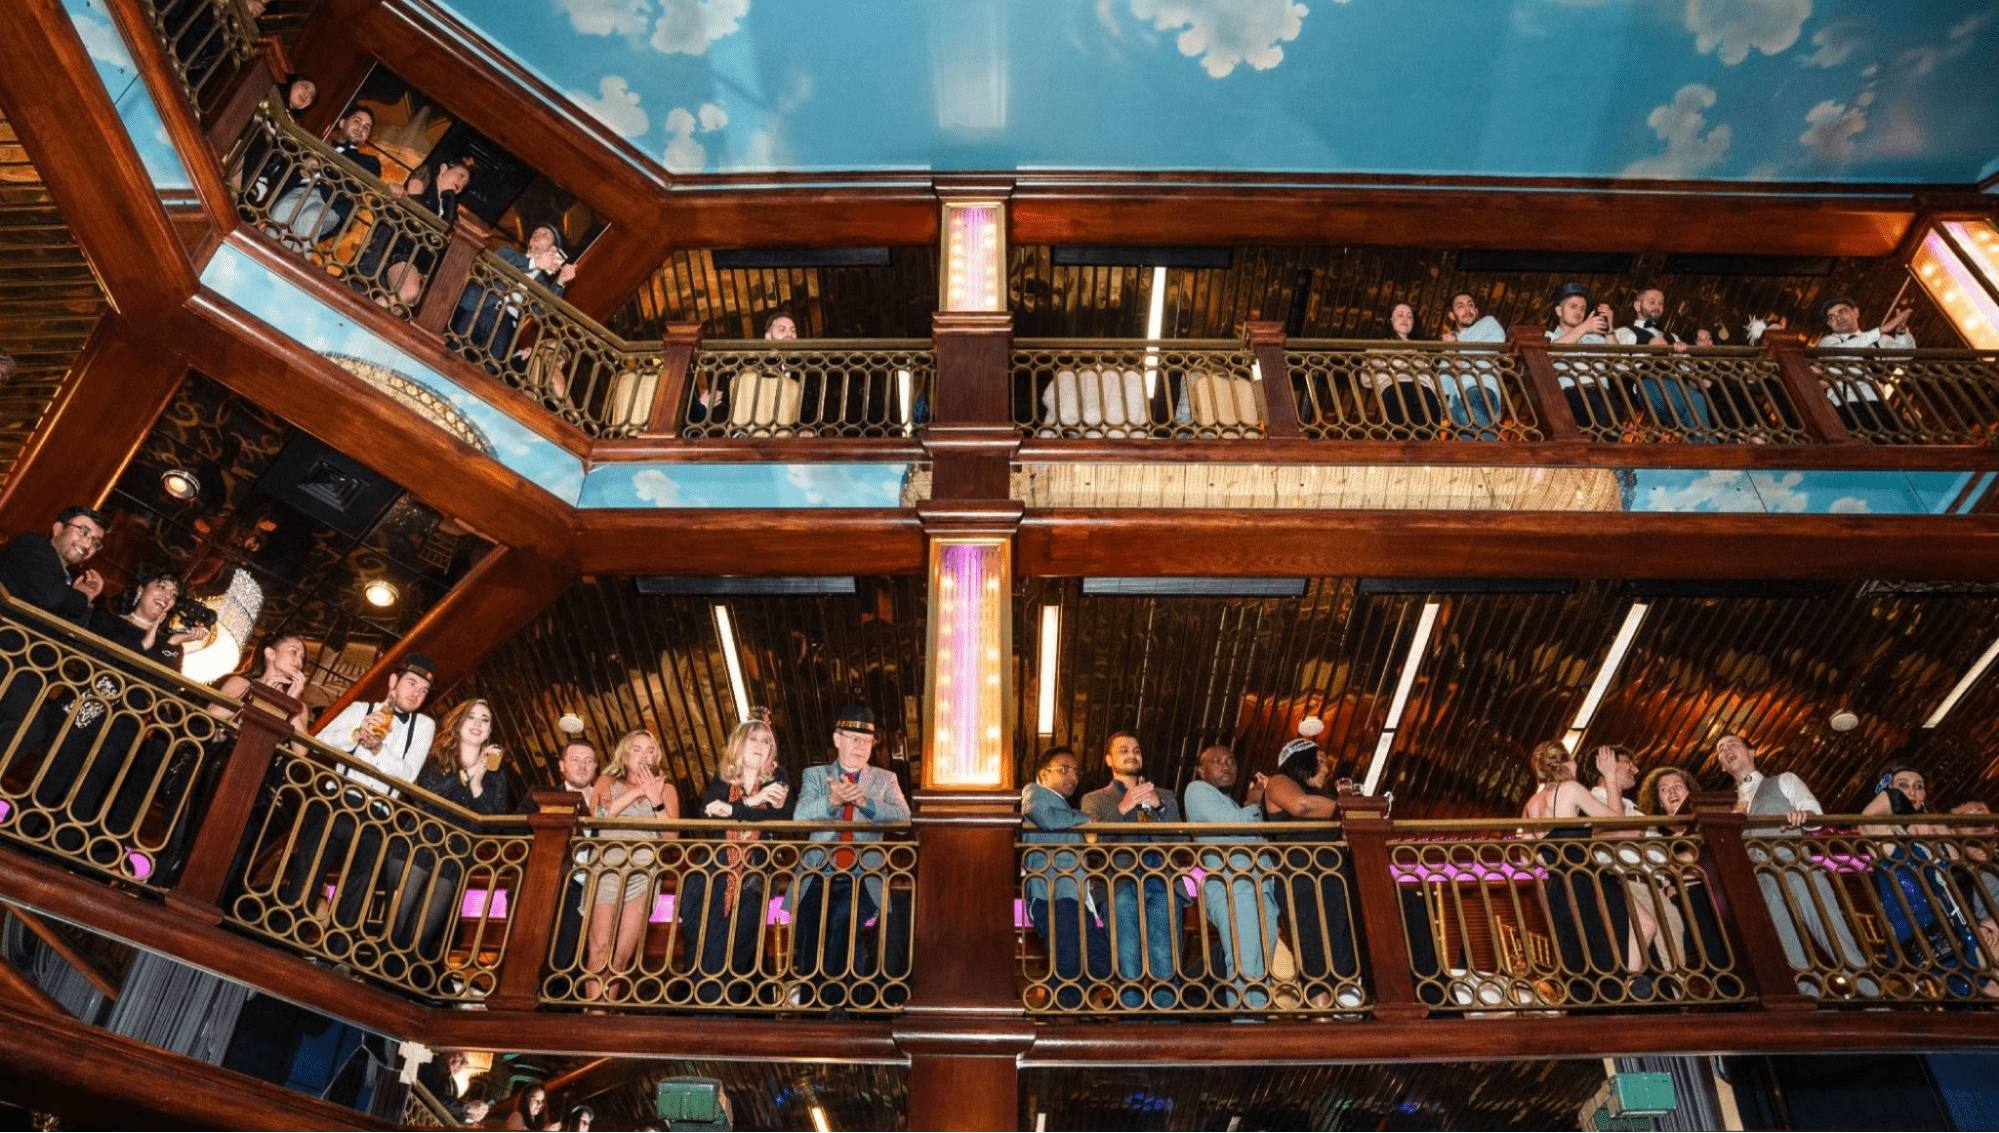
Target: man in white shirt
(1472,396)
(1677,406)
(1806,895)
(1581,322)
(1851,387)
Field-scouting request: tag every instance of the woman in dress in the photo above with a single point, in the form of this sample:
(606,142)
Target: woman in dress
(631,787)
(463,766)
(1688,918)
(1590,921)
(722,906)
(1318,901)
(1931,927)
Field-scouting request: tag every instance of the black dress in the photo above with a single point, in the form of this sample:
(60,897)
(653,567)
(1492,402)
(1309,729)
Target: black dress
(1319,905)
(1587,915)
(723,895)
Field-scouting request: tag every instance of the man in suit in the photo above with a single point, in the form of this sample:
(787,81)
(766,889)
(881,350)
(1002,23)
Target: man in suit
(828,907)
(39,571)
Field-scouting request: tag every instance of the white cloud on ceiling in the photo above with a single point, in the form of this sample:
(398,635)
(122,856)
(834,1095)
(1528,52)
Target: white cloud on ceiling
(1836,43)
(1830,128)
(687,27)
(101,38)
(1679,124)
(685,153)
(838,485)
(607,17)
(1731,28)
(1779,493)
(1920,61)
(1225,33)
(652,486)
(1720,490)
(1849,505)
(616,106)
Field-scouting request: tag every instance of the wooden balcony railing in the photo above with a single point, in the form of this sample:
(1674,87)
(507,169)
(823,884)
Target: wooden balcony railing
(848,388)
(1913,397)
(1121,389)
(206,42)
(1411,391)
(1713,395)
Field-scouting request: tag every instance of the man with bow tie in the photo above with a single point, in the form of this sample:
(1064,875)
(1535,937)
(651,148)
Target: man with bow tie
(1677,406)
(838,890)
(392,736)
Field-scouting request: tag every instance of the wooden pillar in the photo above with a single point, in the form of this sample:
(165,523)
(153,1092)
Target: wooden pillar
(1816,414)
(676,374)
(264,723)
(453,272)
(179,116)
(537,904)
(334,57)
(1280,401)
(1378,905)
(1543,387)
(1739,900)
(622,259)
(239,104)
(971,438)
(107,403)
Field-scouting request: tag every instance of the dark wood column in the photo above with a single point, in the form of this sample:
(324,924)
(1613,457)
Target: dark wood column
(111,397)
(1550,406)
(1740,901)
(539,901)
(1379,906)
(1815,410)
(264,723)
(1280,401)
(51,93)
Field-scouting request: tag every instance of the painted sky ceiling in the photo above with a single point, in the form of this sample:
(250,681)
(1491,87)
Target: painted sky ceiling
(1788,90)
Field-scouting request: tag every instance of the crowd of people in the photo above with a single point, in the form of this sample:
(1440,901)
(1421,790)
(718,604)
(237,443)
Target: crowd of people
(1111,919)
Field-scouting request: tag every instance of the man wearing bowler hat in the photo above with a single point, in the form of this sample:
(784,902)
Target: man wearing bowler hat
(829,911)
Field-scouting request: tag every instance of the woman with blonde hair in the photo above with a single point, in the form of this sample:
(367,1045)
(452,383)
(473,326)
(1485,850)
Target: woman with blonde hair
(1589,919)
(722,905)
(631,787)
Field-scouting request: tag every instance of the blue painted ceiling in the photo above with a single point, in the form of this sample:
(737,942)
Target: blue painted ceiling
(1785,90)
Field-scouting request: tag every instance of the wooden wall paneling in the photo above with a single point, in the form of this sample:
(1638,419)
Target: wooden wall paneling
(739,541)
(97,1079)
(62,113)
(328,50)
(101,414)
(286,378)
(615,265)
(1080,542)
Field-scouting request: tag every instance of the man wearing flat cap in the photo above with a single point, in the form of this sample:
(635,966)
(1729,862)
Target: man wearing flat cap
(392,736)
(828,907)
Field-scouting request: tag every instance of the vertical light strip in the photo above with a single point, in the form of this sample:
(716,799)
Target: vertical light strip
(970,591)
(1411,662)
(725,628)
(1964,684)
(1051,648)
(1155,326)
(906,411)
(1957,289)
(973,235)
(1633,618)
(819,1119)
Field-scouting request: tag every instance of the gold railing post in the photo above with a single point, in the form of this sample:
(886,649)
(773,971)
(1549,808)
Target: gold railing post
(1815,410)
(676,374)
(1531,344)
(534,907)
(1280,401)
(1739,900)
(453,272)
(1366,827)
(264,723)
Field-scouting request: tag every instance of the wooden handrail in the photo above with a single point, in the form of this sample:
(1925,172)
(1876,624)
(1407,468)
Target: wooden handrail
(1551,407)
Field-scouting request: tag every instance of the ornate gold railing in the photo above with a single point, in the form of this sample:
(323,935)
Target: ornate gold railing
(848,388)
(1913,397)
(320,206)
(104,755)
(685,916)
(1644,395)
(1122,388)
(1869,919)
(1501,918)
(1410,391)
(398,884)
(206,42)
(518,330)
(1231,924)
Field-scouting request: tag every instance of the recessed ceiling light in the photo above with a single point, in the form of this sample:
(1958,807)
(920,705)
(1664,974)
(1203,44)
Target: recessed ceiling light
(180,483)
(380,594)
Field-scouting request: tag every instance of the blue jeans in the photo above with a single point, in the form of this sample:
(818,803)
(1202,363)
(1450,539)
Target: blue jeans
(1146,951)
(1677,408)
(1074,940)
(1473,404)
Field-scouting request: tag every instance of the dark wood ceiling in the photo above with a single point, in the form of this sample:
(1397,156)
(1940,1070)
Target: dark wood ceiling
(50,300)
(1503,672)
(1322,292)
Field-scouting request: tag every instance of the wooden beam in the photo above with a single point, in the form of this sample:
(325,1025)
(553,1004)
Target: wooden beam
(747,542)
(53,98)
(1432,544)
(102,412)
(640,1036)
(61,946)
(96,1079)
(302,387)
(190,140)
(338,64)
(615,265)
(1404,454)
(18,987)
(494,600)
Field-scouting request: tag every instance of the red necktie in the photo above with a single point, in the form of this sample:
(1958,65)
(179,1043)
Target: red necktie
(844,859)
